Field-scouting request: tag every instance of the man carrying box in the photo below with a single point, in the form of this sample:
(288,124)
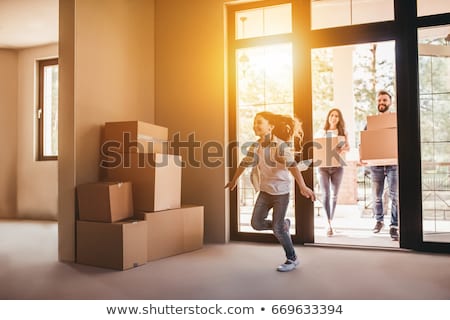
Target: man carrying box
(378,173)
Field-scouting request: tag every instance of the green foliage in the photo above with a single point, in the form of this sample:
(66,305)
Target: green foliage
(322,85)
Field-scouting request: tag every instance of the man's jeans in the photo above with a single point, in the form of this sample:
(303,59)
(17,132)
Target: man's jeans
(279,204)
(378,176)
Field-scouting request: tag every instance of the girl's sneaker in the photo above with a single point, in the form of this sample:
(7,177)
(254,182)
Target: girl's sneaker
(288,265)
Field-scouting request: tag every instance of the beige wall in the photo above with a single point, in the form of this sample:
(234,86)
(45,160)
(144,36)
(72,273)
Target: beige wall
(114,70)
(8,132)
(107,74)
(37,181)
(190,95)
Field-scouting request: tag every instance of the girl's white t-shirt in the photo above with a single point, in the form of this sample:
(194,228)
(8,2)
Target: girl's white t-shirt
(274,177)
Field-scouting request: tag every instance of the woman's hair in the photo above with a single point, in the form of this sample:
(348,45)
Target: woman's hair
(340,125)
(284,127)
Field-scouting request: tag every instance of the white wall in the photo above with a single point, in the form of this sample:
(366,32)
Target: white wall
(8,132)
(37,181)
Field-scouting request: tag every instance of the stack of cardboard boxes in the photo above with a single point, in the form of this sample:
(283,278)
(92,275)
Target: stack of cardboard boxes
(136,157)
(379,142)
(107,235)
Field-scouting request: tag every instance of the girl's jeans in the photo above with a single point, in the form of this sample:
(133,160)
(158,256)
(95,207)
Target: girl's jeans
(279,204)
(330,181)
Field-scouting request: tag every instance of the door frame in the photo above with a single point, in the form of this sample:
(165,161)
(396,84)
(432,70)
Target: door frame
(402,30)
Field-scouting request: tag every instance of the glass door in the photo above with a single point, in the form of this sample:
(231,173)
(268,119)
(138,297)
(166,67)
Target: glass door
(264,83)
(345,83)
(434,99)
(261,49)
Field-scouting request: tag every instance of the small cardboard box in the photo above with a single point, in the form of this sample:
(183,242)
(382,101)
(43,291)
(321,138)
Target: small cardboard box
(135,137)
(171,232)
(105,201)
(156,179)
(379,147)
(326,154)
(382,121)
(119,245)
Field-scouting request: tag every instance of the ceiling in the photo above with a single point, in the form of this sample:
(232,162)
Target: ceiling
(28,23)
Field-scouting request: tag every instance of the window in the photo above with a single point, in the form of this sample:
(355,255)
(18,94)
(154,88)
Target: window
(263,81)
(264,21)
(429,7)
(47,112)
(335,13)
(434,95)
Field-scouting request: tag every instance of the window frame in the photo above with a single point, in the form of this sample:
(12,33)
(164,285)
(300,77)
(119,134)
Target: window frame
(41,110)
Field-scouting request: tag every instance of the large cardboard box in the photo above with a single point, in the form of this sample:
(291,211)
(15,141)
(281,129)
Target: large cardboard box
(119,245)
(379,147)
(105,201)
(382,121)
(326,154)
(156,179)
(135,136)
(172,232)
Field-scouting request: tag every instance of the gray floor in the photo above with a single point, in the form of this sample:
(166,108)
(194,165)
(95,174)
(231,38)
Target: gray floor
(30,270)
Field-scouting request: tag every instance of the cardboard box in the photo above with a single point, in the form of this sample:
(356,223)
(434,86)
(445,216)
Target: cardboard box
(156,179)
(379,147)
(105,201)
(193,217)
(119,245)
(325,152)
(172,232)
(135,137)
(382,121)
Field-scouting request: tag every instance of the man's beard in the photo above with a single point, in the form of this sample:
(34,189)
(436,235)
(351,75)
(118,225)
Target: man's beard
(383,108)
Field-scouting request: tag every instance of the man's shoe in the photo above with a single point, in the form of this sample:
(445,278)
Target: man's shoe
(378,227)
(288,265)
(330,232)
(394,233)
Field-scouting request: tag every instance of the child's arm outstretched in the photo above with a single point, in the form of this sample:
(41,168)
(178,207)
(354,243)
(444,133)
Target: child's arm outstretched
(232,184)
(304,190)
(249,160)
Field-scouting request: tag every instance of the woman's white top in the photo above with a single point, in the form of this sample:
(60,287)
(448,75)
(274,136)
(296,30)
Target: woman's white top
(327,133)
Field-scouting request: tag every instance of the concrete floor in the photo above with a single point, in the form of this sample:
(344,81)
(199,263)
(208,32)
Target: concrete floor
(30,270)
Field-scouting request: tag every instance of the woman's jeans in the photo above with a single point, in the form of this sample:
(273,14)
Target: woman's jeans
(279,204)
(330,180)
(378,175)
